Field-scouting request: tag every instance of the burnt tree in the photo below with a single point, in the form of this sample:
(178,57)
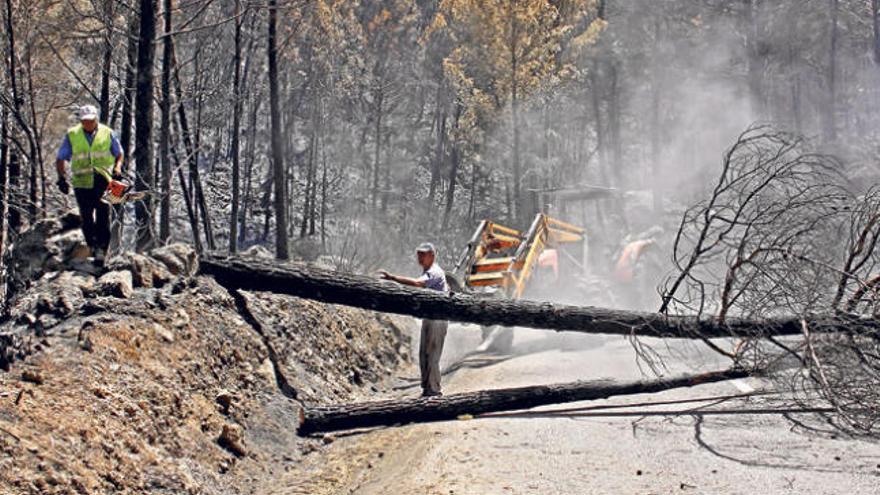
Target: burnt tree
(369,293)
(424,409)
(144,123)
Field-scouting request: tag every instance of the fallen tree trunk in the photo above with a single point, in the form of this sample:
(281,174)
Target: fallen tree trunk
(420,410)
(370,293)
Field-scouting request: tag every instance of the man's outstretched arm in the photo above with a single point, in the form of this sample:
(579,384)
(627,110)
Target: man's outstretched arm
(414,282)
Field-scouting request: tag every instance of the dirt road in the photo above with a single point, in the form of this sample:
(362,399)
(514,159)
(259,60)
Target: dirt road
(656,445)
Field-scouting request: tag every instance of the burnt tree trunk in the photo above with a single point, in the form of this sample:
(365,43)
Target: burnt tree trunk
(370,293)
(165,127)
(107,61)
(4,203)
(425,409)
(144,124)
(236,132)
(278,171)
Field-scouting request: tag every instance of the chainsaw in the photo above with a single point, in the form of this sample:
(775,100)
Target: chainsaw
(119,191)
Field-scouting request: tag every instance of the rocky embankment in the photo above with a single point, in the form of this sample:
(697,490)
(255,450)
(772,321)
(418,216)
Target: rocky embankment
(145,377)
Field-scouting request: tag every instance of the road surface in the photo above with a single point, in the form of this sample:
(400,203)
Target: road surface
(657,445)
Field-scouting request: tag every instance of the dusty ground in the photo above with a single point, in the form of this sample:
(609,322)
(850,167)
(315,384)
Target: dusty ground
(171,390)
(594,449)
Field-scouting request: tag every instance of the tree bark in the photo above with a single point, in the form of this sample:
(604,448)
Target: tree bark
(370,293)
(236,133)
(107,62)
(17,113)
(4,202)
(144,209)
(450,407)
(165,126)
(281,244)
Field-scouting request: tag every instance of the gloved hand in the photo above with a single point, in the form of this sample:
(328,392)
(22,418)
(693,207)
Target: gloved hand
(117,175)
(63,185)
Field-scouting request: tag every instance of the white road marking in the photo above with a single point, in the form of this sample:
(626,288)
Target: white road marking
(742,386)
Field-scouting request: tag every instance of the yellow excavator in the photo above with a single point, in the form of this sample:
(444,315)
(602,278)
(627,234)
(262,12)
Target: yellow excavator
(502,261)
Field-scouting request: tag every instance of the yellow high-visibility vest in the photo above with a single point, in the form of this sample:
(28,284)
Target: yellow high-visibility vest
(88,158)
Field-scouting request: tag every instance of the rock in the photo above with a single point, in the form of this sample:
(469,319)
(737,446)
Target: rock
(42,248)
(232,439)
(32,376)
(51,299)
(65,248)
(164,333)
(224,399)
(266,371)
(116,284)
(181,319)
(257,251)
(180,259)
(145,271)
(64,293)
(328,439)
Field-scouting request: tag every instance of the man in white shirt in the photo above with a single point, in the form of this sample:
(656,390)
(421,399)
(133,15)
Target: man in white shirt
(433,331)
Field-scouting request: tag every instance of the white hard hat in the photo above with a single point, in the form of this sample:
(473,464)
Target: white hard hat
(88,112)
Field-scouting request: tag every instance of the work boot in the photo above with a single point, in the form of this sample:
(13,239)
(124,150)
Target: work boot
(432,393)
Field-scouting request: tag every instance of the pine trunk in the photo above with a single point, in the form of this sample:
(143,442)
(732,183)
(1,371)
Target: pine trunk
(369,293)
(144,210)
(236,124)
(165,127)
(450,407)
(281,245)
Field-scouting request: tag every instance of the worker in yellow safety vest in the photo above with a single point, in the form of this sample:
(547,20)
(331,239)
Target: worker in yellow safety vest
(95,156)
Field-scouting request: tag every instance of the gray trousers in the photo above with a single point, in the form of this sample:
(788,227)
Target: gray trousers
(430,349)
